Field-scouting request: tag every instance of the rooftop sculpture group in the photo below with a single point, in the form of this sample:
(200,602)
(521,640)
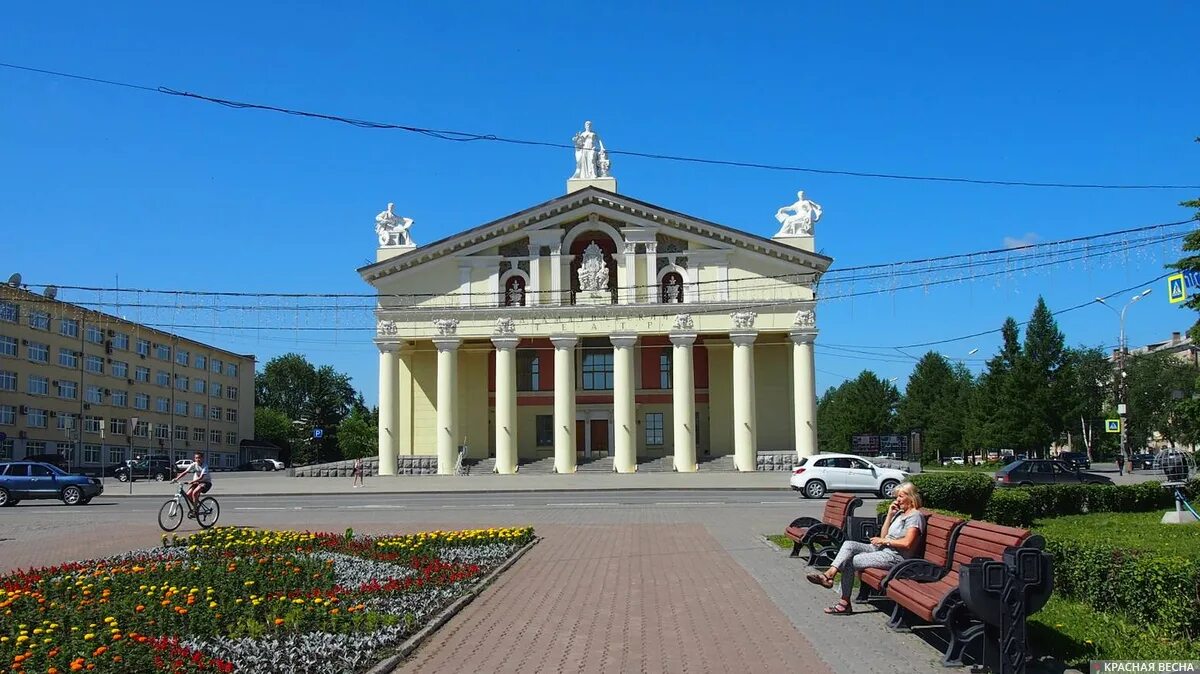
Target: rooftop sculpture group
(393,229)
(804,214)
(591,159)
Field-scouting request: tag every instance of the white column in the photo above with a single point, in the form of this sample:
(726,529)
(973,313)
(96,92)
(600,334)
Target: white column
(627,273)
(534,296)
(624,422)
(556,293)
(506,404)
(564,402)
(464,286)
(804,392)
(389,375)
(683,398)
(447,387)
(745,446)
(651,289)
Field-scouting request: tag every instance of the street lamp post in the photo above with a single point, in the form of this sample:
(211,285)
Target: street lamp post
(1122,352)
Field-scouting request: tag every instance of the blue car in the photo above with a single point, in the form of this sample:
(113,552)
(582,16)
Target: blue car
(21,480)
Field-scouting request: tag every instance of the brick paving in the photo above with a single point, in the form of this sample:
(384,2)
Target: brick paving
(620,598)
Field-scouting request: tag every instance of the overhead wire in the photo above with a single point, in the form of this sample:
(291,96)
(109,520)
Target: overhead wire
(473,136)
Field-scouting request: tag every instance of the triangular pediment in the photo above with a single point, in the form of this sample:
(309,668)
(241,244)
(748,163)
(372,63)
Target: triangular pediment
(606,209)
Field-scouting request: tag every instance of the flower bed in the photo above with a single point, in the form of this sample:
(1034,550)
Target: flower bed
(241,600)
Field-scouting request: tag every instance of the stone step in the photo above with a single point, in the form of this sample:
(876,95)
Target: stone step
(539,466)
(601,465)
(717,464)
(662,464)
(482,466)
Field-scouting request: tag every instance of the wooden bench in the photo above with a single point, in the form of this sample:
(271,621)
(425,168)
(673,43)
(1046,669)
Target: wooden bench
(828,532)
(929,592)
(936,549)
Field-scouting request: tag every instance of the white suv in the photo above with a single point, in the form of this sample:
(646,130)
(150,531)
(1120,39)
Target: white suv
(818,475)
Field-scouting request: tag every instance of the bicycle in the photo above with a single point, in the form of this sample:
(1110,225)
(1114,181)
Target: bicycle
(170,515)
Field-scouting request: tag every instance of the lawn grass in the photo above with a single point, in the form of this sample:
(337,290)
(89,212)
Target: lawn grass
(1131,531)
(1073,632)
(780,540)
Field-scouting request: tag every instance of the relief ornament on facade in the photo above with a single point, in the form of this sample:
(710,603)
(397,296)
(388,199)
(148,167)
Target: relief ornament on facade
(684,322)
(388,328)
(743,320)
(804,214)
(393,229)
(505,326)
(805,319)
(593,272)
(446,327)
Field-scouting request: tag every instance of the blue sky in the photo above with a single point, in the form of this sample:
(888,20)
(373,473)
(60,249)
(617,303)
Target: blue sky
(99,182)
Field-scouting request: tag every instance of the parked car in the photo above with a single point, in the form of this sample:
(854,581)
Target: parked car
(1028,472)
(815,476)
(57,460)
(158,470)
(183,464)
(1143,461)
(1077,459)
(261,464)
(20,480)
(953,460)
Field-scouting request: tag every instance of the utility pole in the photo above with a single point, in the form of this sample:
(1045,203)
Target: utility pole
(1122,391)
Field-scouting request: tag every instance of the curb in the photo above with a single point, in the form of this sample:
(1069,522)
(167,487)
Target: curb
(452,492)
(410,644)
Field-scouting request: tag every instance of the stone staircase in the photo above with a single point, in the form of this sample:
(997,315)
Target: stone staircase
(601,465)
(538,467)
(716,464)
(481,466)
(662,464)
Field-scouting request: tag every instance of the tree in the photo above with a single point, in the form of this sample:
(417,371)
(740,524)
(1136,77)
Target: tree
(273,426)
(1158,384)
(1042,382)
(994,418)
(316,397)
(358,434)
(1191,261)
(866,404)
(935,402)
(1088,376)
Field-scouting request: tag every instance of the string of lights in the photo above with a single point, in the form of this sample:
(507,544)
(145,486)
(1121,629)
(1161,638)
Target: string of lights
(473,136)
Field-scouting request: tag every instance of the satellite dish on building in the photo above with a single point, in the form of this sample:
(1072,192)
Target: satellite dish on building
(15,280)
(1175,467)
(50,292)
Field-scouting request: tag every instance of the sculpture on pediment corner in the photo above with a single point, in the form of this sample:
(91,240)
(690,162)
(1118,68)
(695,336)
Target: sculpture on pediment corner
(505,326)
(393,229)
(388,328)
(446,327)
(593,271)
(684,322)
(743,320)
(806,319)
(804,214)
(589,155)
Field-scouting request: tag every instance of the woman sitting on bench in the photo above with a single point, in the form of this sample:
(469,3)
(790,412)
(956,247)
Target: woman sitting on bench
(904,525)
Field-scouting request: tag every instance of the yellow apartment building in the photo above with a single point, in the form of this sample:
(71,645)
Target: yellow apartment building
(99,389)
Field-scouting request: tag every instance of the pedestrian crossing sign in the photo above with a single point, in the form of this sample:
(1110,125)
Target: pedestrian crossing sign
(1176,288)
(1112,425)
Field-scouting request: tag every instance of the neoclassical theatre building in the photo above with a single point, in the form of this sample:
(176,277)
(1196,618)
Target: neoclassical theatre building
(595,327)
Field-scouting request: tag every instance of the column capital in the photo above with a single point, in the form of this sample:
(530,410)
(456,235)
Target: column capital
(389,347)
(447,343)
(806,336)
(564,341)
(623,340)
(743,337)
(505,342)
(683,338)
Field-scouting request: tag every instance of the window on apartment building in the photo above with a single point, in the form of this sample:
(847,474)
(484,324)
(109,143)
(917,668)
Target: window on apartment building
(529,371)
(181,357)
(142,430)
(181,383)
(8,346)
(118,426)
(215,389)
(654,429)
(216,365)
(68,358)
(8,380)
(199,411)
(162,431)
(68,390)
(231,392)
(141,374)
(162,378)
(120,369)
(121,341)
(664,369)
(162,405)
(10,312)
(94,334)
(68,327)
(181,432)
(8,415)
(231,415)
(545,430)
(214,437)
(200,362)
(181,408)
(162,351)
(39,320)
(37,447)
(231,369)
(231,438)
(119,399)
(65,422)
(143,347)
(141,401)
(199,385)
(197,434)
(94,364)
(38,386)
(214,413)
(36,418)
(6,448)
(38,352)
(116,454)
(91,453)
(94,395)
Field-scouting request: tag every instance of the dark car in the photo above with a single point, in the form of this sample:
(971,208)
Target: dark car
(1027,472)
(158,470)
(53,459)
(1077,459)
(21,480)
(1143,461)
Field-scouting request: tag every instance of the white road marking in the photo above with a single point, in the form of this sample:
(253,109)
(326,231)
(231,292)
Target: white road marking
(256,508)
(581,505)
(775,502)
(371,506)
(671,503)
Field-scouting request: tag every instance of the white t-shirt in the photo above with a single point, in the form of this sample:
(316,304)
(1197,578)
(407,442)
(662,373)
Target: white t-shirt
(199,473)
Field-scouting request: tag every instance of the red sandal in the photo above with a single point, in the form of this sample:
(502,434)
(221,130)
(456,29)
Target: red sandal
(839,609)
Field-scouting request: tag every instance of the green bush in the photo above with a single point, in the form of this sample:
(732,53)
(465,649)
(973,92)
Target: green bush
(1011,507)
(1062,500)
(1074,632)
(966,492)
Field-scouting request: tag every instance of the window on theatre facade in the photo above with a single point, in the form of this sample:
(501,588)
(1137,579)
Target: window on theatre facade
(671,288)
(597,370)
(664,369)
(528,371)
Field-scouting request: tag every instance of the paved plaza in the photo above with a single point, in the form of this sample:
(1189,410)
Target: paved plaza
(620,581)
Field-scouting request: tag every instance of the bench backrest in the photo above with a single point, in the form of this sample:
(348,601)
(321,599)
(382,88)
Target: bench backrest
(839,506)
(939,536)
(984,539)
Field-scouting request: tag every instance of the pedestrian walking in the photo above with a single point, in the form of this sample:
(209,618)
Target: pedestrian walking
(358,473)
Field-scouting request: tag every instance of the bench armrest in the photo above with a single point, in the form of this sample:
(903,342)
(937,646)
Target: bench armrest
(804,522)
(861,529)
(919,570)
(823,530)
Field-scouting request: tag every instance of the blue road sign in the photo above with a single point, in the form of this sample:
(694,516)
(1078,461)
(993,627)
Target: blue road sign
(1176,289)
(318,433)
(1112,425)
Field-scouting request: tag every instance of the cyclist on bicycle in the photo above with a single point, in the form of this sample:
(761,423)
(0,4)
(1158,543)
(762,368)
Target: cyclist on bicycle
(200,484)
